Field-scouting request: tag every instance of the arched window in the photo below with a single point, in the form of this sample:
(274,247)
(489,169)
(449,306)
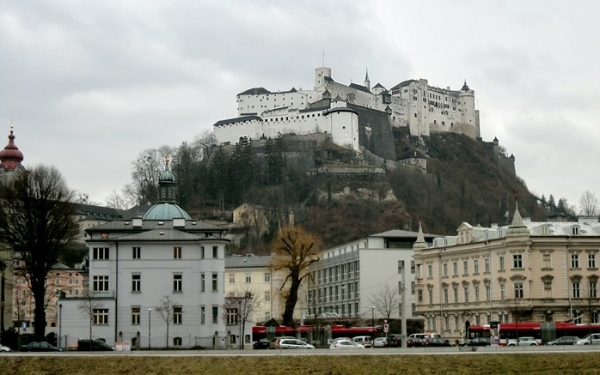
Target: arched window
(177,341)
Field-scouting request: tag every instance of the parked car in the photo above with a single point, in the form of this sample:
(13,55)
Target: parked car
(345,344)
(418,339)
(478,341)
(380,342)
(593,339)
(293,344)
(436,342)
(523,341)
(394,340)
(275,341)
(4,348)
(564,340)
(94,345)
(367,341)
(40,346)
(262,344)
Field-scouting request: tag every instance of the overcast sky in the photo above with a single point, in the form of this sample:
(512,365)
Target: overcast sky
(88,85)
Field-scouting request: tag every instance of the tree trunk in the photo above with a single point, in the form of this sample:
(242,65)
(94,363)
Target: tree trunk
(39,319)
(290,303)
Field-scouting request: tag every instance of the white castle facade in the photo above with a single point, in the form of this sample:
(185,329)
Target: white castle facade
(414,104)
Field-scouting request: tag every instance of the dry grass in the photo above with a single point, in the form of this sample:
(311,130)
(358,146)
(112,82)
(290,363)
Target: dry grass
(555,363)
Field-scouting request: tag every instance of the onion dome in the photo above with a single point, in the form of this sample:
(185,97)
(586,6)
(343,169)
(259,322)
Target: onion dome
(167,208)
(10,157)
(465,87)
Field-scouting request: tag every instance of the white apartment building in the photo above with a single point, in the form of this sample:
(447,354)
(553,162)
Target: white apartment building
(349,277)
(133,264)
(530,271)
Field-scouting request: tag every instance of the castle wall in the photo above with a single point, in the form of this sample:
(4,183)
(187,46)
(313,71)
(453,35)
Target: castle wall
(258,103)
(342,124)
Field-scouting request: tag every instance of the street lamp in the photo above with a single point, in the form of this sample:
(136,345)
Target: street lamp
(373,322)
(59,324)
(149,328)
(240,345)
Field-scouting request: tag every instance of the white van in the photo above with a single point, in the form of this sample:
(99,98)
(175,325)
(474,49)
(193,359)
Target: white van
(366,341)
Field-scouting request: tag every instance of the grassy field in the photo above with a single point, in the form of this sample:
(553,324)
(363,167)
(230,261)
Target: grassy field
(554,363)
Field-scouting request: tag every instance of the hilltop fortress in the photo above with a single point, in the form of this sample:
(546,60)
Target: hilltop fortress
(333,108)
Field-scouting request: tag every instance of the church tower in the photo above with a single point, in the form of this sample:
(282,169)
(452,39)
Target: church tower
(10,159)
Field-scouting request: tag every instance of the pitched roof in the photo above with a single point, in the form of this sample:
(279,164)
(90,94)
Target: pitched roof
(253,261)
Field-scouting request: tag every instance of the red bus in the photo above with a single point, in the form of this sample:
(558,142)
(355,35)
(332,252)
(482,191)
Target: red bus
(259,332)
(542,332)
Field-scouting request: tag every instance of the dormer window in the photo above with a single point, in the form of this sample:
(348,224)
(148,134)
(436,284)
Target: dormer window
(575,231)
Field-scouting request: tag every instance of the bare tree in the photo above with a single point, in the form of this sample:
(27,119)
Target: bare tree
(588,204)
(241,304)
(386,300)
(166,310)
(206,141)
(295,250)
(40,222)
(88,307)
(519,309)
(119,201)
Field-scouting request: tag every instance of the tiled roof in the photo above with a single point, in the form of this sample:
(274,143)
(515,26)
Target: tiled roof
(162,235)
(253,261)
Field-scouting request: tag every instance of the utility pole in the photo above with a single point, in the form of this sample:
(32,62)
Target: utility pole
(403,311)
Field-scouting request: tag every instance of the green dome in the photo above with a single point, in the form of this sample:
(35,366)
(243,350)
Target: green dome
(166,176)
(166,211)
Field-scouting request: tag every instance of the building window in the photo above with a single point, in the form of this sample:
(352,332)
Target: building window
(465,267)
(248,278)
(412,266)
(475,266)
(215,314)
(136,253)
(502,291)
(135,316)
(429,270)
(177,315)
(215,282)
(412,287)
(201,252)
(232,316)
(476,288)
(267,277)
(100,316)
(202,315)
(501,262)
(456,294)
(576,290)
(488,292)
(400,266)
(518,290)
(177,252)
(177,282)
(267,296)
(547,261)
(466,294)
(487,265)
(446,295)
(177,341)
(100,253)
(215,252)
(445,269)
(574,260)
(420,296)
(455,268)
(232,278)
(593,288)
(517,261)
(430,295)
(591,260)
(267,316)
(202,282)
(100,283)
(136,283)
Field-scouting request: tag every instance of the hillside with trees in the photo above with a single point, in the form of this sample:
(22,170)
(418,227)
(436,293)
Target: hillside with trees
(465,181)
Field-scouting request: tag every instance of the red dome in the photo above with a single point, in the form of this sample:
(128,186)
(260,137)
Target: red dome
(10,157)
